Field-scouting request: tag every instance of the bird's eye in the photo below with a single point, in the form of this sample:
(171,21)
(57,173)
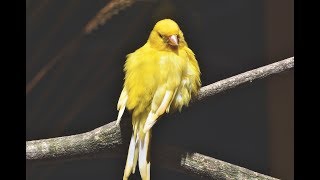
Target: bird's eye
(160,35)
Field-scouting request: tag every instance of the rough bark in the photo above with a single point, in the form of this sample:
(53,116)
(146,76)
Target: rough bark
(111,140)
(106,140)
(234,81)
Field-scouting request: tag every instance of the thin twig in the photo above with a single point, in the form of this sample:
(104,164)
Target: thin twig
(52,63)
(106,13)
(111,140)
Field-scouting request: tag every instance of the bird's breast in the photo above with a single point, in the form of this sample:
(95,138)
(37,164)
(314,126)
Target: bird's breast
(148,72)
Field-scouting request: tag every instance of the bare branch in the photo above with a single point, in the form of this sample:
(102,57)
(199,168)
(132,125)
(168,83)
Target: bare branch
(234,81)
(53,62)
(106,139)
(112,140)
(107,12)
(199,165)
(103,15)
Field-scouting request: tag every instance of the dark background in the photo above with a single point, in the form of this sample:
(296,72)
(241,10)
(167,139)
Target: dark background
(250,126)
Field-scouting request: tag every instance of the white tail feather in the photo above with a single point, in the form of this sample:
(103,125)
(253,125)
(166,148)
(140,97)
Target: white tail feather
(136,154)
(144,165)
(130,158)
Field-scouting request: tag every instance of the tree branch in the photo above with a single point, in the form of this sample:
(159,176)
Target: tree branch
(107,12)
(234,81)
(111,140)
(202,166)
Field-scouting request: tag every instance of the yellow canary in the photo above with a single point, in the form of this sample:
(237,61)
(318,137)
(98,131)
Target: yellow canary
(161,76)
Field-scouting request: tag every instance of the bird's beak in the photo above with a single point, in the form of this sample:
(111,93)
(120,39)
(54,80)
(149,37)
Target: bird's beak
(173,40)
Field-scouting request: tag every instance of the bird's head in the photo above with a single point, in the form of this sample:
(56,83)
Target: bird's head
(166,34)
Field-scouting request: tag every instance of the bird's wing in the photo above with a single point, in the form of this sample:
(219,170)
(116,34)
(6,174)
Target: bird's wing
(155,113)
(122,104)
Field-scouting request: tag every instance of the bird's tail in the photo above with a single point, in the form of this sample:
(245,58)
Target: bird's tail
(138,150)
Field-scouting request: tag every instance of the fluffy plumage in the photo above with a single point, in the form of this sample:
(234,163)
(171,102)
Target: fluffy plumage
(160,77)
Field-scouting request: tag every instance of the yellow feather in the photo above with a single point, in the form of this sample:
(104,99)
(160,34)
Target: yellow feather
(161,76)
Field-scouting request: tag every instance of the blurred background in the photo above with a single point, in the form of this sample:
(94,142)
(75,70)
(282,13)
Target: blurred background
(74,77)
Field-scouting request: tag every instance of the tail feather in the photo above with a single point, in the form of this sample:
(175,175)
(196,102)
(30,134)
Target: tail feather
(144,157)
(138,152)
(135,159)
(130,158)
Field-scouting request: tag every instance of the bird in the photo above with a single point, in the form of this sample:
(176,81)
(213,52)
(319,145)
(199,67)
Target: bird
(160,77)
